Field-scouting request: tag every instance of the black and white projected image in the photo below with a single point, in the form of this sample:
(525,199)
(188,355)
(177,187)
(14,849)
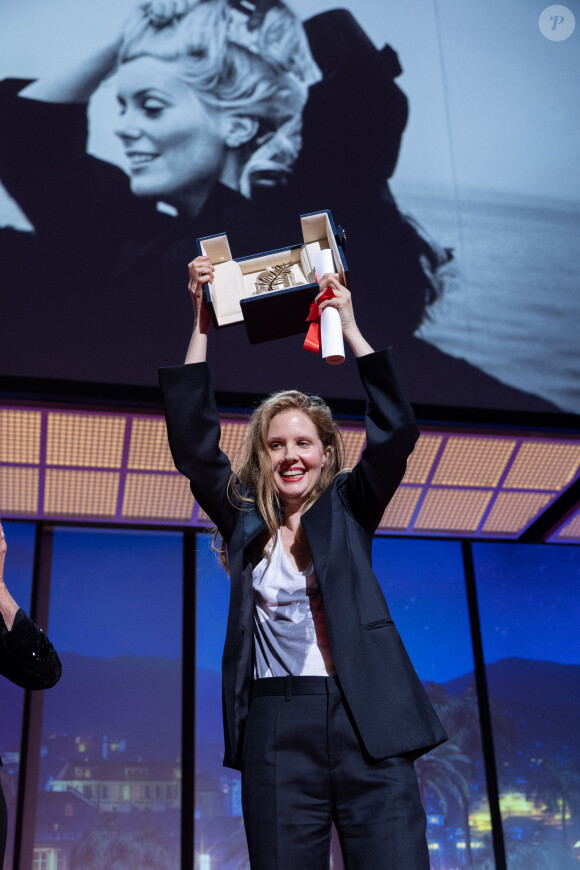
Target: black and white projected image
(441,135)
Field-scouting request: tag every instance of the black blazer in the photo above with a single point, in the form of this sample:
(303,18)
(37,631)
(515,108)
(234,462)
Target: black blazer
(27,657)
(384,694)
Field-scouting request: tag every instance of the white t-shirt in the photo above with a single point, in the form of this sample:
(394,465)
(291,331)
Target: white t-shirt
(290,634)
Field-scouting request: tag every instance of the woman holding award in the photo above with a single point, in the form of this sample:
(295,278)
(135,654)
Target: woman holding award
(323,711)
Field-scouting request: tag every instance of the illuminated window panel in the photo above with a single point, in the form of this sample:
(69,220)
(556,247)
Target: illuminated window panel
(513,511)
(80,493)
(452,510)
(20,435)
(544,465)
(18,490)
(148,447)
(400,509)
(528,471)
(570,531)
(232,438)
(94,440)
(529,601)
(157,496)
(421,459)
(469,461)
(354,441)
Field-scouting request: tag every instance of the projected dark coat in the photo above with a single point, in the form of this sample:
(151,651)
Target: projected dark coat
(388,703)
(103,265)
(97,292)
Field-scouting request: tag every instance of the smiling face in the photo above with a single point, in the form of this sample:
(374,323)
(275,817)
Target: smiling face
(297,456)
(173,143)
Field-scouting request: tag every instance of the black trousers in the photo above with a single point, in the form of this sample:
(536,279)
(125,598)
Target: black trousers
(304,768)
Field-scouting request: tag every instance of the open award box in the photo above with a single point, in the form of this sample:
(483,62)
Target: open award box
(271,292)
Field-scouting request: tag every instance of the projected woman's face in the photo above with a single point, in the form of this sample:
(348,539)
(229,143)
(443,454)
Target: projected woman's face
(172,141)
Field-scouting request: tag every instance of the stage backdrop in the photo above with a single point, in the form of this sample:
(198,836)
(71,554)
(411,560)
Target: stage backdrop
(442,135)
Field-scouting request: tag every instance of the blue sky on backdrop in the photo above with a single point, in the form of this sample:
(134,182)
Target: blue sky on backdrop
(529,597)
(113,592)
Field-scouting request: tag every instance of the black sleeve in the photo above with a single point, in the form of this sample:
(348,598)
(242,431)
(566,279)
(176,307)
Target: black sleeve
(391,435)
(27,657)
(193,429)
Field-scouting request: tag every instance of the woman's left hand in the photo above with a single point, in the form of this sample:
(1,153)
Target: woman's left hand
(342,301)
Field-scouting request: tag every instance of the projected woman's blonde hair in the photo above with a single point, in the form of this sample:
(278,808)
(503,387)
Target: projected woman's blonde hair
(263,73)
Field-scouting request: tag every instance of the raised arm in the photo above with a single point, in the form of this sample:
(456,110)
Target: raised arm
(200,272)
(193,426)
(77,83)
(390,425)
(391,435)
(75,79)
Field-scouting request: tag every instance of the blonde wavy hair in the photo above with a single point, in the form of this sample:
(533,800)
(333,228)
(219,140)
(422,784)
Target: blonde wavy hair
(262,73)
(252,482)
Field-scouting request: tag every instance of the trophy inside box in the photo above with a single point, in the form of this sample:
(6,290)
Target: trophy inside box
(271,292)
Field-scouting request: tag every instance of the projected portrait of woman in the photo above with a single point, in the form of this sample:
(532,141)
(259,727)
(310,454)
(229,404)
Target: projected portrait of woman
(199,107)
(226,116)
(207,111)
(200,100)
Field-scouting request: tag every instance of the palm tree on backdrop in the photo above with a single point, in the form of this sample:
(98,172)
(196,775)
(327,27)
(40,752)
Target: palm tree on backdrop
(110,849)
(444,775)
(534,853)
(460,716)
(452,768)
(556,782)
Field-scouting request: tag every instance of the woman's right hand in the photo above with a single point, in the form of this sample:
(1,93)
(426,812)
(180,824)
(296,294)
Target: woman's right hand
(163,12)
(201,272)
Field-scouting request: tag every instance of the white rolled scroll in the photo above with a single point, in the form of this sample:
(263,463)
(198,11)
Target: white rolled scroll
(331,340)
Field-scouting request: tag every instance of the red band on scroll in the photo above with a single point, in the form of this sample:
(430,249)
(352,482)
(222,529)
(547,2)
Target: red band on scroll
(312,340)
